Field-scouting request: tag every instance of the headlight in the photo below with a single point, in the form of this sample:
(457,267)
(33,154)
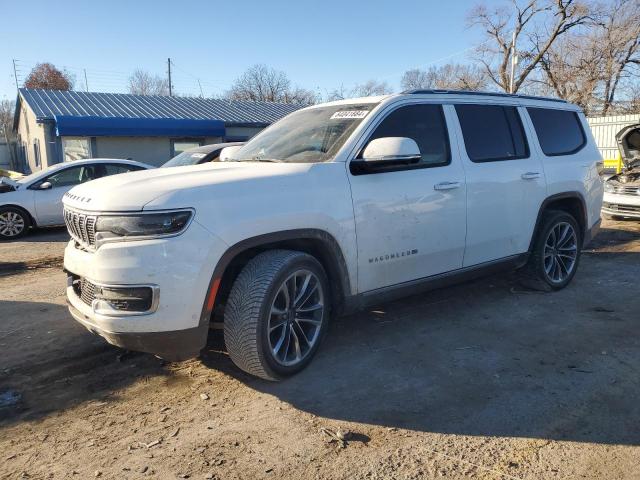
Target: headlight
(141,225)
(608,187)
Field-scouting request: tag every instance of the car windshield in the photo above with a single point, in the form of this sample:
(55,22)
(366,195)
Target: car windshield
(185,158)
(306,136)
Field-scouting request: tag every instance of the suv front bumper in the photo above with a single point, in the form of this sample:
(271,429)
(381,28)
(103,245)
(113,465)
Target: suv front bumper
(179,270)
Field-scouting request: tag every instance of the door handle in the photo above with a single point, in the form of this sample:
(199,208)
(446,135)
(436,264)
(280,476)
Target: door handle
(446,185)
(530,175)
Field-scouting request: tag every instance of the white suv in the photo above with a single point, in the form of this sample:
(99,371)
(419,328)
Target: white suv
(333,208)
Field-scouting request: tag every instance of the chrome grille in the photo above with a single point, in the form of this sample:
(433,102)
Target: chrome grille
(81,227)
(626,190)
(87,291)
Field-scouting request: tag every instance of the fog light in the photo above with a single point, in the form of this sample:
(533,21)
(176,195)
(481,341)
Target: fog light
(109,300)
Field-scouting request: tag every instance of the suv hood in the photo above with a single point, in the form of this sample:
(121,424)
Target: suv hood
(628,140)
(171,187)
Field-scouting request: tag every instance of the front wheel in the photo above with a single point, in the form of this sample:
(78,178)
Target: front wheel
(14,223)
(556,250)
(276,313)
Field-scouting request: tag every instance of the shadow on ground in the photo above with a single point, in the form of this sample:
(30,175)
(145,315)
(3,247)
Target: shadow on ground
(486,358)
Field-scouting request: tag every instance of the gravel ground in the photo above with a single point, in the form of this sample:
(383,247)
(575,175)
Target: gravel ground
(485,380)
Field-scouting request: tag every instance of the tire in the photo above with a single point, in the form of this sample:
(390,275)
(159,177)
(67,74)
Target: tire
(555,264)
(259,317)
(14,223)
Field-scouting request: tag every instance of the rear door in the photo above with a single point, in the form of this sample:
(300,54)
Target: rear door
(505,181)
(410,220)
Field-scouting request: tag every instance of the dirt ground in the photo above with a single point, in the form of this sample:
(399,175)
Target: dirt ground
(485,380)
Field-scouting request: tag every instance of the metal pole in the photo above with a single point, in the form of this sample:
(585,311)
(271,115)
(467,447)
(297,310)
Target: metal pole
(86,84)
(15,74)
(169,65)
(201,94)
(514,60)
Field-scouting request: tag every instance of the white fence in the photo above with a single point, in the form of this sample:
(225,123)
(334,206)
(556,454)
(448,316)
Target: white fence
(604,131)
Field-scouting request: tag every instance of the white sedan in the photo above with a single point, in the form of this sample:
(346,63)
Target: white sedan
(36,200)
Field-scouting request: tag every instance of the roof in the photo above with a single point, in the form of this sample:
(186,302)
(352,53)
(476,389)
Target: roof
(49,104)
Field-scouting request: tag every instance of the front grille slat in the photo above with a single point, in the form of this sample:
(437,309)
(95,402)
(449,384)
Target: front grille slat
(626,190)
(81,227)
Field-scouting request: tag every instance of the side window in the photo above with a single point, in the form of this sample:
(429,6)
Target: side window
(114,169)
(559,131)
(492,132)
(423,123)
(71,176)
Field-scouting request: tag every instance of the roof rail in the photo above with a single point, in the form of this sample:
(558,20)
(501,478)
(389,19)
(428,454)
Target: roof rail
(488,94)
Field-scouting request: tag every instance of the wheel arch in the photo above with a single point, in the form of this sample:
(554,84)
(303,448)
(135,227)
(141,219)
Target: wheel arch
(318,243)
(32,220)
(570,202)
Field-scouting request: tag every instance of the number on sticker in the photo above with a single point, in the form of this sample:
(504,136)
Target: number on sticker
(349,114)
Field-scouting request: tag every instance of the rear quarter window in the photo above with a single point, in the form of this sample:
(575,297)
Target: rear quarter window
(559,131)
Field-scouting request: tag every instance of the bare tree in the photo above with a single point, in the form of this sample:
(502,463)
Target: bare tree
(619,37)
(48,77)
(264,84)
(452,76)
(596,66)
(7,110)
(536,25)
(144,83)
(371,88)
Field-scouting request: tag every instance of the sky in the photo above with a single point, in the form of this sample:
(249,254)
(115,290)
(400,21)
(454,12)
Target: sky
(320,45)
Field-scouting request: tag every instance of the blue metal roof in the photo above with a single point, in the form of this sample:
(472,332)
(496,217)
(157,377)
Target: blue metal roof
(47,104)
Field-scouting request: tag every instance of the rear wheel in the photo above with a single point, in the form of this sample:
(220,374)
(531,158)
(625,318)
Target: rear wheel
(14,223)
(556,251)
(276,314)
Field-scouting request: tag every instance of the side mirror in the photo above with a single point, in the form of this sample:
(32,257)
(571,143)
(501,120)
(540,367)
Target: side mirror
(45,186)
(227,152)
(385,154)
(392,149)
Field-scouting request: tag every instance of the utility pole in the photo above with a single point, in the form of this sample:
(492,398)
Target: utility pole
(15,74)
(514,61)
(86,84)
(169,69)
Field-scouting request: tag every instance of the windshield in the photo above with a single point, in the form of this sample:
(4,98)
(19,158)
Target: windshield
(306,136)
(41,173)
(185,158)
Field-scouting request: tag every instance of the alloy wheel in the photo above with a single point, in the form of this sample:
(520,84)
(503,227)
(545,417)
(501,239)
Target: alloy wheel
(295,318)
(11,224)
(560,252)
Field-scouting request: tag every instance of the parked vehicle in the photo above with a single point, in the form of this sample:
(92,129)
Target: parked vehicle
(622,190)
(198,155)
(36,200)
(333,208)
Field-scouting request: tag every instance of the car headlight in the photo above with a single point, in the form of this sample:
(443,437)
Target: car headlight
(143,225)
(608,187)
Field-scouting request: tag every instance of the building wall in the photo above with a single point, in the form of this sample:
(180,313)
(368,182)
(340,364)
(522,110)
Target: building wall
(604,131)
(31,132)
(241,132)
(151,150)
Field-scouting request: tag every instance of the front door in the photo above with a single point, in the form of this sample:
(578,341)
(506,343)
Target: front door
(48,201)
(410,220)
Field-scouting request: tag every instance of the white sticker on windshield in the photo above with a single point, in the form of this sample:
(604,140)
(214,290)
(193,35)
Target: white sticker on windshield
(349,114)
(198,155)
